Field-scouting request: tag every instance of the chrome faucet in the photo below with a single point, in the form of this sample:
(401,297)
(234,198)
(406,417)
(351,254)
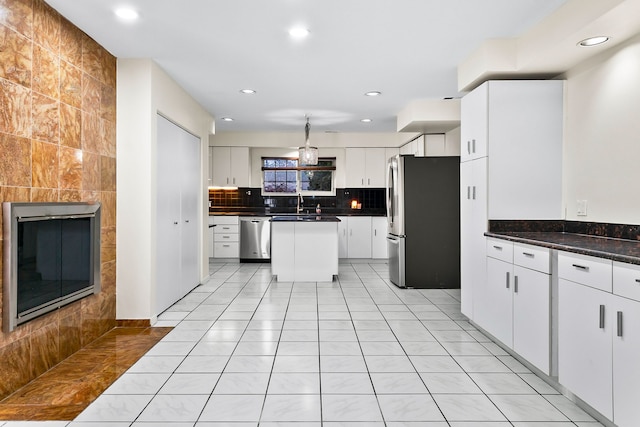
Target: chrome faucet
(299,206)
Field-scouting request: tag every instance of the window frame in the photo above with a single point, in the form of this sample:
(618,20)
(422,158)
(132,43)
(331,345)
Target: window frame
(299,169)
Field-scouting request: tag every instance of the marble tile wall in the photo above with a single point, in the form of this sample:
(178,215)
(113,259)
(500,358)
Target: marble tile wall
(57,143)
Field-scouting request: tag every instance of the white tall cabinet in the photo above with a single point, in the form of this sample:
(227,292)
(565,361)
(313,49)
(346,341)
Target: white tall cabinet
(178,188)
(511,165)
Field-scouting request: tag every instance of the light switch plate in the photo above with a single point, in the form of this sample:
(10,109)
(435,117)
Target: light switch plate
(582,208)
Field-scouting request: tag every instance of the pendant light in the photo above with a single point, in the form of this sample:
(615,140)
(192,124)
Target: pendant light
(307,155)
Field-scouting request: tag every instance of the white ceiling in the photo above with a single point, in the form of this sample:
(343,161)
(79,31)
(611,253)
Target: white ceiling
(407,49)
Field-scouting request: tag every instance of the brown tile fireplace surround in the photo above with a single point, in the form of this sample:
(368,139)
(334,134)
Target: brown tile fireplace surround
(57,144)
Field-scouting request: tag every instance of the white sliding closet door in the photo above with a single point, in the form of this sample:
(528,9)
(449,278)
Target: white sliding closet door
(178,186)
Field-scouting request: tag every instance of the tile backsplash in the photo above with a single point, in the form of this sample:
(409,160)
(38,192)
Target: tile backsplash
(371,201)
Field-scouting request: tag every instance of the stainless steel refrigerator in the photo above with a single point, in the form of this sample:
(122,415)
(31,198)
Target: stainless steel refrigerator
(423,214)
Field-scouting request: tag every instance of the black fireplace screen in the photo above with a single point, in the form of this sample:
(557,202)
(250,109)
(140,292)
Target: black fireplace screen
(51,257)
(53,260)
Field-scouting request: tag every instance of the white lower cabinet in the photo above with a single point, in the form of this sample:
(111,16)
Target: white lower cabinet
(515,305)
(362,237)
(379,237)
(599,337)
(343,241)
(226,237)
(359,237)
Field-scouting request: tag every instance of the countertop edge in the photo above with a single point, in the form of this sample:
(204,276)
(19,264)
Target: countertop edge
(575,248)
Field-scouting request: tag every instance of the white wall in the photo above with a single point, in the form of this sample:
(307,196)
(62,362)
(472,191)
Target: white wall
(143,91)
(602,136)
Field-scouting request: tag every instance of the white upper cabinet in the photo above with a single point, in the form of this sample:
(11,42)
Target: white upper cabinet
(230,166)
(517,125)
(365,167)
(474,117)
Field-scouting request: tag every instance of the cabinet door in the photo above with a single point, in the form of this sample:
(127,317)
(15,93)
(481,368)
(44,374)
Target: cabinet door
(355,169)
(525,128)
(473,225)
(210,163)
(496,311)
(359,237)
(221,175)
(531,316)
(168,216)
(584,344)
(379,237)
(467,255)
(376,167)
(343,238)
(474,116)
(626,353)
(189,209)
(240,166)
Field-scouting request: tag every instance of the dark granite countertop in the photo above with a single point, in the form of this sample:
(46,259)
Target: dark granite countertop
(615,249)
(272,214)
(306,218)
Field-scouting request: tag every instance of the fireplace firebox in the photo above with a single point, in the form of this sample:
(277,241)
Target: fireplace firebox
(51,257)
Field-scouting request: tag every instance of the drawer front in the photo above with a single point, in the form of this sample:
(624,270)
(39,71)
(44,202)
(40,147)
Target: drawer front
(234,237)
(533,257)
(225,228)
(226,250)
(626,280)
(500,249)
(587,270)
(225,219)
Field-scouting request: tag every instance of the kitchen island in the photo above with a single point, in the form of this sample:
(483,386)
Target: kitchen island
(304,248)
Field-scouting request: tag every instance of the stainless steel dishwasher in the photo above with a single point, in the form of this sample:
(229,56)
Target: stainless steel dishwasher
(255,238)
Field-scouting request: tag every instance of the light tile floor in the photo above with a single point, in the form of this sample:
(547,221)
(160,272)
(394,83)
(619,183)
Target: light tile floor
(248,351)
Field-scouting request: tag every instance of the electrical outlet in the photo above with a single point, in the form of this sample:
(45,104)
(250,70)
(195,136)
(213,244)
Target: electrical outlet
(582,208)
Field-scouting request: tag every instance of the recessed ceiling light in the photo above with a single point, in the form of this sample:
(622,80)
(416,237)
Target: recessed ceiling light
(298,32)
(593,41)
(127,14)
(247,91)
(366,120)
(373,93)
(227,119)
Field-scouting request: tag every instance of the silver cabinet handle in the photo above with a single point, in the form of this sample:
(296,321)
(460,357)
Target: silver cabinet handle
(227,180)
(580,267)
(473,145)
(498,248)
(226,246)
(368,181)
(637,280)
(226,237)
(468,192)
(362,181)
(375,232)
(507,280)
(474,192)
(515,284)
(175,222)
(528,254)
(619,323)
(468,147)
(186,220)
(601,323)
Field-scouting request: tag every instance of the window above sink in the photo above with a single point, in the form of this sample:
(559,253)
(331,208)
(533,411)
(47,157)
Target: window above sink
(283,176)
